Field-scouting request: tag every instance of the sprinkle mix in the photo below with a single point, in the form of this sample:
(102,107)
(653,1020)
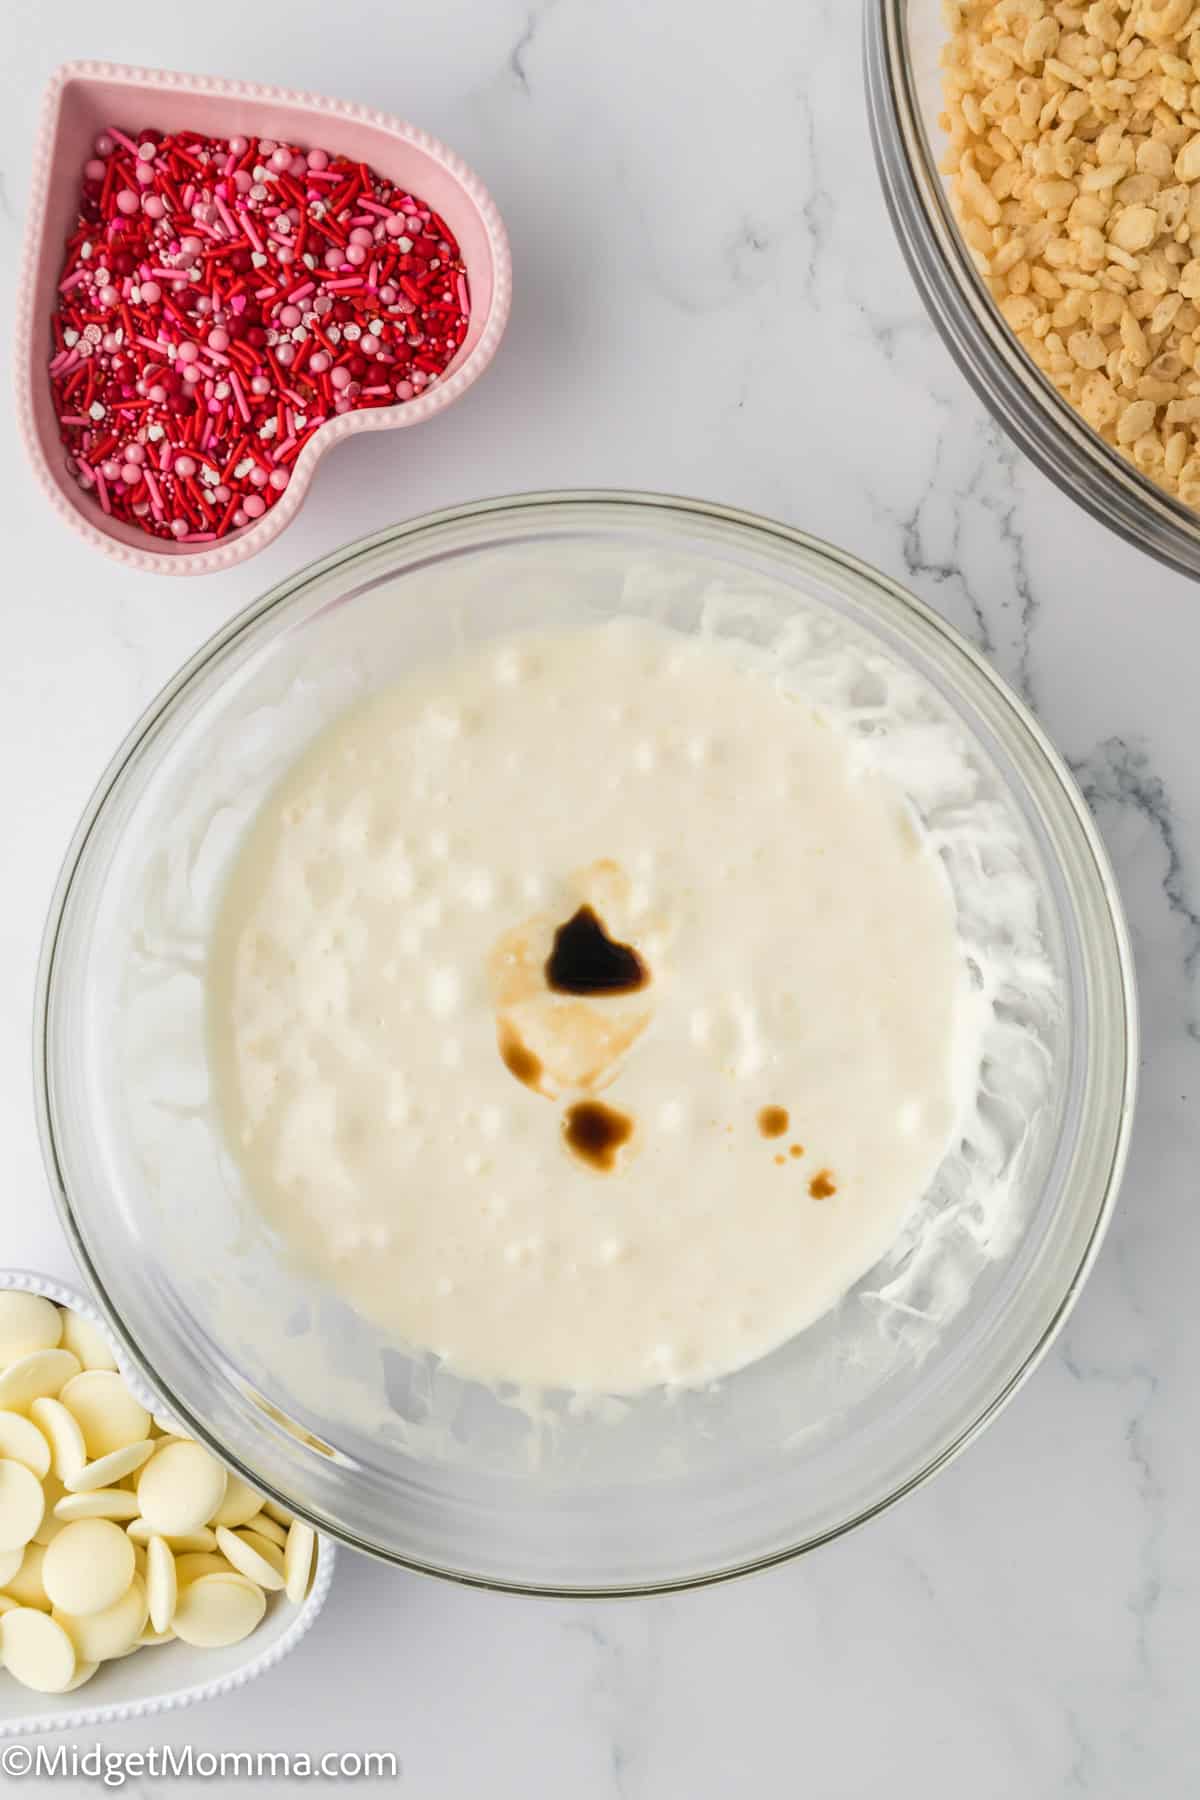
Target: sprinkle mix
(220,300)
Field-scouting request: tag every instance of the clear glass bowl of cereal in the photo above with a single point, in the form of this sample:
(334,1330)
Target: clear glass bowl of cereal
(1087,245)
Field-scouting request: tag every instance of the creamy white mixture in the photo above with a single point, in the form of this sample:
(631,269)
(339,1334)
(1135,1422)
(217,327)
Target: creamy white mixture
(402,1087)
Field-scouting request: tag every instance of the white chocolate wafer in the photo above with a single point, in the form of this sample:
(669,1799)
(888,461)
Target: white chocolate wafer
(21,1440)
(298,1560)
(68,1452)
(26,1587)
(250,1559)
(98,1503)
(37,1651)
(22,1504)
(43,1372)
(179,1542)
(181,1487)
(86,1341)
(193,1563)
(88,1567)
(107,1470)
(103,1636)
(268,1528)
(51,1525)
(109,1416)
(27,1323)
(83,1672)
(162,1583)
(238,1506)
(217,1610)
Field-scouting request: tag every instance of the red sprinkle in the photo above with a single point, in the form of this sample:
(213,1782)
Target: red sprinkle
(212,317)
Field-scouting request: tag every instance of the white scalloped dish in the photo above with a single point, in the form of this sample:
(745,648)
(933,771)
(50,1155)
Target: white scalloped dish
(164,1677)
(86,98)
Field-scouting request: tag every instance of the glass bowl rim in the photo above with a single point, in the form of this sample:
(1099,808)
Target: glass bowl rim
(548,502)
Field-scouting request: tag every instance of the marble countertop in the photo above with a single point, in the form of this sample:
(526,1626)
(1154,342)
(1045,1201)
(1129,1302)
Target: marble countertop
(709,301)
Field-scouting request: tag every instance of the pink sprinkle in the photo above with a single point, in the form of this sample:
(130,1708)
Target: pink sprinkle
(238,395)
(227,218)
(250,232)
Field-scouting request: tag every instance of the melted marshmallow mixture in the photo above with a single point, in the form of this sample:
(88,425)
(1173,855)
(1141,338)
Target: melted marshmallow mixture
(588,1011)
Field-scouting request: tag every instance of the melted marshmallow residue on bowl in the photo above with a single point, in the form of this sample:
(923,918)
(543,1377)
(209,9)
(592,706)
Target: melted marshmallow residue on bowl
(590,1010)
(890,732)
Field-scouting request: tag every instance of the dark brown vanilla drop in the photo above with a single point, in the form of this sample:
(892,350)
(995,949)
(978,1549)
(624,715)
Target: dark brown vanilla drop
(773,1121)
(595,1133)
(518,1059)
(585,960)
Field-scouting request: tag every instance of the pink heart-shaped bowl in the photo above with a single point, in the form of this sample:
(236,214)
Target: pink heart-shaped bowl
(82,100)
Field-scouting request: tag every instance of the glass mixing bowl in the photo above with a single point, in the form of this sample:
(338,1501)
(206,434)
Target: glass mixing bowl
(903,43)
(386,1448)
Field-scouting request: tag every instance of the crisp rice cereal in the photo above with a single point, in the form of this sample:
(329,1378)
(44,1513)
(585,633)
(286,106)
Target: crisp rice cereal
(1075,171)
